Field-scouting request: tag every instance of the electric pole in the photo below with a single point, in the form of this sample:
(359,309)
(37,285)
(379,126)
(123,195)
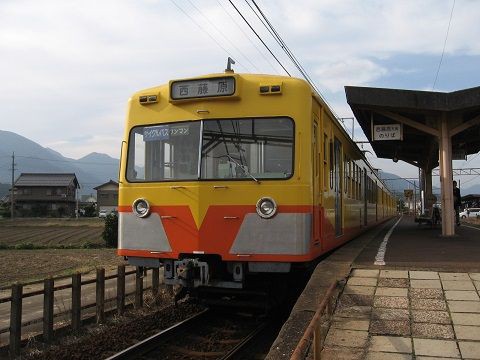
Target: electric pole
(12,198)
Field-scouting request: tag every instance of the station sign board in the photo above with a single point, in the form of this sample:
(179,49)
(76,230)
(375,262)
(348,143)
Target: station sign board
(387,132)
(408,193)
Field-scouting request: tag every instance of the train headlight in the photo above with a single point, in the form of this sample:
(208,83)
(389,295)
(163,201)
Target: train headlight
(266,207)
(141,208)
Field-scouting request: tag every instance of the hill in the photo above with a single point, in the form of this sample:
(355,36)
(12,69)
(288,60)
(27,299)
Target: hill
(30,157)
(95,168)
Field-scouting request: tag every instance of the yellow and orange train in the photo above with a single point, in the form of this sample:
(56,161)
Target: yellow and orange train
(228,176)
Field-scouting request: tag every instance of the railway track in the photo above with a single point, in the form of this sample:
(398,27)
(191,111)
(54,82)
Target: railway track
(211,334)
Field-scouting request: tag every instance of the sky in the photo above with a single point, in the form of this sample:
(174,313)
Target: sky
(67,68)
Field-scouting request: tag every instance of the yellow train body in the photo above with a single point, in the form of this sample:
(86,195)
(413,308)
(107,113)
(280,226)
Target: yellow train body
(202,161)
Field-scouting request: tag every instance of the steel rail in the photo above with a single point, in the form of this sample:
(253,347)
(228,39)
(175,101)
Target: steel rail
(134,351)
(244,342)
(150,344)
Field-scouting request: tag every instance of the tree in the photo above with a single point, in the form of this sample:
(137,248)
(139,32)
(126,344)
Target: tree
(90,210)
(110,232)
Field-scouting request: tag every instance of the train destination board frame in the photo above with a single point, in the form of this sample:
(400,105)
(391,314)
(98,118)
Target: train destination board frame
(202,88)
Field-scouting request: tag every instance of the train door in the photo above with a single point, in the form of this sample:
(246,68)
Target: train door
(375,189)
(316,221)
(337,154)
(365,197)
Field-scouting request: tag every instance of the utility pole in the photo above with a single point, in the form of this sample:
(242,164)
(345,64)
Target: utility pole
(76,209)
(12,197)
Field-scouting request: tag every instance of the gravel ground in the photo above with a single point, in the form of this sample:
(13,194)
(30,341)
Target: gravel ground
(118,333)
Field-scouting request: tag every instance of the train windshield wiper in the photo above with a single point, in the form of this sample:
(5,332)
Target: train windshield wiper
(243,167)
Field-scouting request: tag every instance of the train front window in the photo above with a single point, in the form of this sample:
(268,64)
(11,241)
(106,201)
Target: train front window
(164,152)
(258,148)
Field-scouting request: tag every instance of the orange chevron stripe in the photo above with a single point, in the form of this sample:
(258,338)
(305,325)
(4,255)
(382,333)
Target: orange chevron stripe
(216,233)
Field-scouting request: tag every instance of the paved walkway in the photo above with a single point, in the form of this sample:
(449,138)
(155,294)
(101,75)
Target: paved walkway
(401,314)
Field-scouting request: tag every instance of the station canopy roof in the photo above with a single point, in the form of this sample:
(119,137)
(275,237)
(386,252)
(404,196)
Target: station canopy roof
(420,112)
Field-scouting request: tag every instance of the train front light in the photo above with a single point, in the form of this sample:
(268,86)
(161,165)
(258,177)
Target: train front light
(141,208)
(266,208)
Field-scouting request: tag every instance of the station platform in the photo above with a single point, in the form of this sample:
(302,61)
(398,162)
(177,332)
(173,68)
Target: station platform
(423,303)
(420,246)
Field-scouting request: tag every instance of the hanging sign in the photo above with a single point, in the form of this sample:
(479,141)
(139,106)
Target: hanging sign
(387,132)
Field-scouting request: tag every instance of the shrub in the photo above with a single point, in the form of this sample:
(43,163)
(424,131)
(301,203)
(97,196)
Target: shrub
(5,212)
(24,246)
(110,232)
(90,245)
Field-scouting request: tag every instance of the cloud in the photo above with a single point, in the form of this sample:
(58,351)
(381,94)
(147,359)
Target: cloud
(333,76)
(68,68)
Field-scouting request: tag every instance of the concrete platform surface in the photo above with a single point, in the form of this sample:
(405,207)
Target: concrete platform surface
(421,301)
(420,247)
(416,319)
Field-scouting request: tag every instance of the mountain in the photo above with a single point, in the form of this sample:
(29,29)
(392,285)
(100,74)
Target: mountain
(474,189)
(397,184)
(95,168)
(91,170)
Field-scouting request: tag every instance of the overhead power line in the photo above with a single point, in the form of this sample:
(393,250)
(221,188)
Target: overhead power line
(271,29)
(259,37)
(205,31)
(444,46)
(223,35)
(246,36)
(268,25)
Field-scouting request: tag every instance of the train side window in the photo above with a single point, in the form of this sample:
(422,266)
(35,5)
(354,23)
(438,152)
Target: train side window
(345,174)
(352,192)
(354,181)
(372,191)
(362,185)
(325,164)
(349,177)
(358,182)
(315,149)
(330,152)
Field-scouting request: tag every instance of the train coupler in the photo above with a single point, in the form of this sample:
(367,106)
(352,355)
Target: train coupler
(189,273)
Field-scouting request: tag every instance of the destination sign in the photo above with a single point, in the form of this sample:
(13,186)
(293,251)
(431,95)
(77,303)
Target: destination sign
(163,132)
(387,132)
(200,88)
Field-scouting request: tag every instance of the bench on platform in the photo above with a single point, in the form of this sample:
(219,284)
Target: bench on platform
(431,216)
